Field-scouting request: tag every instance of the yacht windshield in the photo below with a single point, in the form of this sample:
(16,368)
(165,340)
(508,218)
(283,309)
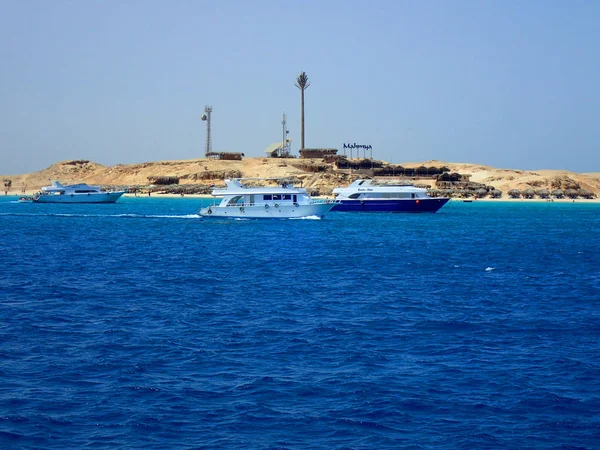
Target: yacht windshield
(238,200)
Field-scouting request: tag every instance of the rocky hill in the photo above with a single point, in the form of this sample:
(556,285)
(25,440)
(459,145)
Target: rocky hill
(315,174)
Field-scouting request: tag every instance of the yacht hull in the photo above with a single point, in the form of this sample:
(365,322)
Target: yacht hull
(103,197)
(428,205)
(270,212)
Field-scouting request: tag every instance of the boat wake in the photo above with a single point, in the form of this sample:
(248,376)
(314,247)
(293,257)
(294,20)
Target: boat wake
(276,218)
(159,216)
(306,218)
(127,216)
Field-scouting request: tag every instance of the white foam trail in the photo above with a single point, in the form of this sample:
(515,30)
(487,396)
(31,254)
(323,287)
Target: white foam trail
(489,269)
(133,216)
(306,218)
(154,216)
(187,216)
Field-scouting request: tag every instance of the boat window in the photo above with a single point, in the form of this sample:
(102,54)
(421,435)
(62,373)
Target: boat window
(238,200)
(251,199)
(356,195)
(287,196)
(276,196)
(295,199)
(396,195)
(267,197)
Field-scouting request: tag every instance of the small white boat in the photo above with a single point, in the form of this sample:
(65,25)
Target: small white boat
(265,202)
(75,193)
(366,196)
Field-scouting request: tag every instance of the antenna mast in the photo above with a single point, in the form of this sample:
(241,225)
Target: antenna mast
(285,142)
(284,132)
(206,117)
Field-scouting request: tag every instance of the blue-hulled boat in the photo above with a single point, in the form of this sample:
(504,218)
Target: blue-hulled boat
(365,196)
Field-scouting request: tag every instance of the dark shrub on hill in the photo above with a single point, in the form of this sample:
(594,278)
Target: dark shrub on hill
(163,181)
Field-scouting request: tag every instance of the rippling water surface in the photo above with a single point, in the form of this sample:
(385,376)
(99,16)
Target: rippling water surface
(140,325)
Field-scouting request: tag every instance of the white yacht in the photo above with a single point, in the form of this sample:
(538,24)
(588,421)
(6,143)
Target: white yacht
(75,193)
(281,202)
(366,196)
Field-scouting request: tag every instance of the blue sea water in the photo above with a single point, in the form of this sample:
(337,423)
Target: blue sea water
(140,325)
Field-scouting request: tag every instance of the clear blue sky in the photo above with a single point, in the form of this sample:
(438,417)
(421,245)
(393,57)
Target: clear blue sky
(508,83)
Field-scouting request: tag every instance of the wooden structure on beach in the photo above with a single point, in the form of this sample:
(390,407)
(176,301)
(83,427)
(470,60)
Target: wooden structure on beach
(279,150)
(317,152)
(229,156)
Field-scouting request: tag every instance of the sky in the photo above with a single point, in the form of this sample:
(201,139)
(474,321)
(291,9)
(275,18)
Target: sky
(507,83)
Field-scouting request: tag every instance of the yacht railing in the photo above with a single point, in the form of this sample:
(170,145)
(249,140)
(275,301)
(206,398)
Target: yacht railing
(277,204)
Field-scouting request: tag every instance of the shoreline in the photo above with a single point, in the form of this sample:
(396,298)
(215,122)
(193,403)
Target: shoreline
(195,177)
(527,200)
(30,193)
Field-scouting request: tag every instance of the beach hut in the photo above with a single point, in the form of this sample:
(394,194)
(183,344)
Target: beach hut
(528,193)
(480,193)
(421,171)
(558,193)
(572,193)
(514,193)
(496,193)
(543,193)
(584,193)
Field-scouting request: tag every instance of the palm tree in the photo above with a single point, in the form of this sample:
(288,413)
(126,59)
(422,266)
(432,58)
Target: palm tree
(302,83)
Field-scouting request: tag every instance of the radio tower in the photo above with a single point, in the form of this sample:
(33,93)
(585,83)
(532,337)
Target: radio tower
(285,143)
(206,118)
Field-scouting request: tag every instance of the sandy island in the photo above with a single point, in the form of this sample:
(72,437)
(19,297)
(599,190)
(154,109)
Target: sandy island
(319,177)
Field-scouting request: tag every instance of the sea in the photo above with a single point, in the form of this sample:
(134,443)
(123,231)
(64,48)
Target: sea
(142,325)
